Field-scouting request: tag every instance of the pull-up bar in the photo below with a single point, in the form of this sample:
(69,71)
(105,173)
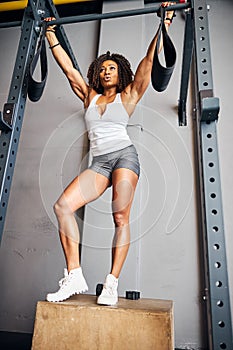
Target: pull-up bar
(110,15)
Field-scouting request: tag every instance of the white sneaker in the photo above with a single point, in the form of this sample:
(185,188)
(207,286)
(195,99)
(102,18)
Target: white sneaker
(72,283)
(109,294)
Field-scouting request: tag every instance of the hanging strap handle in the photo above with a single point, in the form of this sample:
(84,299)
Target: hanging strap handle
(36,88)
(160,75)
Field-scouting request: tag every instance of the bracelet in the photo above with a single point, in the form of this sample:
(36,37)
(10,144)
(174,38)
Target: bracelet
(50,30)
(168,19)
(51,47)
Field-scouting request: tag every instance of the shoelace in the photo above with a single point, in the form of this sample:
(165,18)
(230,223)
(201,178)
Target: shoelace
(110,288)
(64,280)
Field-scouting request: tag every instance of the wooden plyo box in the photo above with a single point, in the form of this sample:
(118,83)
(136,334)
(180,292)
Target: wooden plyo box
(80,324)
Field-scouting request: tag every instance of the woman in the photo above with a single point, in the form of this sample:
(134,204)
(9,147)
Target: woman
(109,100)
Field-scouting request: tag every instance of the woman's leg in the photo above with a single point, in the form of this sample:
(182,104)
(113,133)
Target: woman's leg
(124,183)
(83,189)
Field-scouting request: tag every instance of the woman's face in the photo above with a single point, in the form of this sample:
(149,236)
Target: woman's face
(109,74)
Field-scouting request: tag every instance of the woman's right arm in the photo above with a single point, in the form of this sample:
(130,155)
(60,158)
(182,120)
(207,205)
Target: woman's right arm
(76,81)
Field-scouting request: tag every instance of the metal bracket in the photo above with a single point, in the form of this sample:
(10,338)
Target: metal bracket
(209,108)
(6,118)
(209,105)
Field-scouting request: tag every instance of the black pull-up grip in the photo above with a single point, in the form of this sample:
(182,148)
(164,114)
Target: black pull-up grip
(36,88)
(160,75)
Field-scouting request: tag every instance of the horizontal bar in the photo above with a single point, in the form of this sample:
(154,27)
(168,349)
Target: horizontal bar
(10,24)
(110,15)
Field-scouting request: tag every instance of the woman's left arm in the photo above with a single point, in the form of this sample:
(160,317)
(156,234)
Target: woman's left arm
(143,73)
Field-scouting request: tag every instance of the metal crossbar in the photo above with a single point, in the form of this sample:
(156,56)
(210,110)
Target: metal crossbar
(111,15)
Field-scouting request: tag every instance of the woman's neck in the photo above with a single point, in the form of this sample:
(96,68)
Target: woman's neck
(110,92)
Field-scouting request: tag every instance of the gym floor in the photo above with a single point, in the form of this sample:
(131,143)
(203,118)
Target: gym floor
(18,341)
(15,341)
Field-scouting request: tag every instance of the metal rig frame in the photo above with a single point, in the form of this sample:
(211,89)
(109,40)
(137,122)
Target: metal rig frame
(196,49)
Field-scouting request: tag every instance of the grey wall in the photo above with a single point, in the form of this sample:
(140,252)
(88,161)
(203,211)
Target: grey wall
(163,261)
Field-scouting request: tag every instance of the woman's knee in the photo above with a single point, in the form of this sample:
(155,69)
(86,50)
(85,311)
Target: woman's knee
(61,208)
(121,218)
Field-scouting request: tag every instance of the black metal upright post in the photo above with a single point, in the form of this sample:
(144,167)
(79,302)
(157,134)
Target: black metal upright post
(12,117)
(13,112)
(216,289)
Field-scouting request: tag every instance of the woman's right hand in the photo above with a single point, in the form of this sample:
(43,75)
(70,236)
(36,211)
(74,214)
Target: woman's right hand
(50,27)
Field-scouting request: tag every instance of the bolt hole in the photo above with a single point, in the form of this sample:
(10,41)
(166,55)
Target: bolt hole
(216,246)
(215,228)
(212,179)
(205,83)
(210,149)
(214,212)
(217,265)
(221,324)
(211,165)
(223,346)
(218,284)
(220,303)
(213,195)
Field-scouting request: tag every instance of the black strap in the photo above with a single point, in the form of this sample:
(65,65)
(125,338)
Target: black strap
(160,75)
(36,88)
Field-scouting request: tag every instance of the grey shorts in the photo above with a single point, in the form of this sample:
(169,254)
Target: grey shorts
(125,158)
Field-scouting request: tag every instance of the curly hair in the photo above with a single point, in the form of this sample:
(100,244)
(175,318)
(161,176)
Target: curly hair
(124,71)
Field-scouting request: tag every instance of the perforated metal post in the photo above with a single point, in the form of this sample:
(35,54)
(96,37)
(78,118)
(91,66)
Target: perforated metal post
(13,111)
(216,291)
(14,108)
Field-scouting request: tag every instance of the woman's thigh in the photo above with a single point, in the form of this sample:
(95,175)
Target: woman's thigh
(85,188)
(124,182)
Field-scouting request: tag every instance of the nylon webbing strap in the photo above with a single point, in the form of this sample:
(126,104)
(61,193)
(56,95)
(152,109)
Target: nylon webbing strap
(160,75)
(36,88)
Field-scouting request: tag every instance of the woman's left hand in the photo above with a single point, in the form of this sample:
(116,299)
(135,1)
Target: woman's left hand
(169,14)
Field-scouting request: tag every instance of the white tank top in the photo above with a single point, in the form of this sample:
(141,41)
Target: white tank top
(107,132)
